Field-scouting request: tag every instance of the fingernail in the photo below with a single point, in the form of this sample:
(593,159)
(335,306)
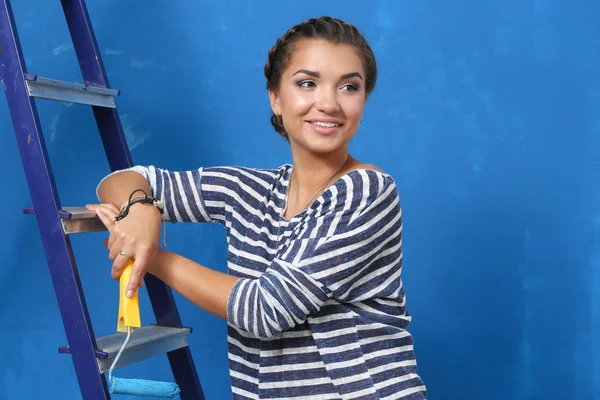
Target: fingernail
(129,293)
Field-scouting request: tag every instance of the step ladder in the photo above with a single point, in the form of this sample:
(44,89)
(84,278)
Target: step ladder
(91,356)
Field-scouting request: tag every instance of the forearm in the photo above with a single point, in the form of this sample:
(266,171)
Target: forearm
(117,188)
(281,298)
(206,288)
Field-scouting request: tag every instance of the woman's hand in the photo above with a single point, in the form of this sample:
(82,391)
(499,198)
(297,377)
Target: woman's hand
(136,236)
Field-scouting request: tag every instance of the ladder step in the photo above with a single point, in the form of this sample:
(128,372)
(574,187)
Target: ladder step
(52,89)
(76,220)
(80,220)
(145,342)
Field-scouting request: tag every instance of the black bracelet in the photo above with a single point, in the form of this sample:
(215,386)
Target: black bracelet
(145,199)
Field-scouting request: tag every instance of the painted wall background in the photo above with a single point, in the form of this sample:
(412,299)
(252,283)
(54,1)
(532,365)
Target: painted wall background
(486,112)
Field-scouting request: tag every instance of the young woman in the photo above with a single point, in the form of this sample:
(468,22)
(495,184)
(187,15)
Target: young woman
(314,298)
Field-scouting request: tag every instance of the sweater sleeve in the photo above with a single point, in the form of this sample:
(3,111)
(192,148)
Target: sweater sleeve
(360,260)
(204,195)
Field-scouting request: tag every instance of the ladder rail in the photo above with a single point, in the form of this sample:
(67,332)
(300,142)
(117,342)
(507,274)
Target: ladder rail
(94,74)
(47,207)
(46,202)
(117,151)
(181,360)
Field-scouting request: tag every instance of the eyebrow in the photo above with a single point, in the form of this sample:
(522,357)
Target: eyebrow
(317,75)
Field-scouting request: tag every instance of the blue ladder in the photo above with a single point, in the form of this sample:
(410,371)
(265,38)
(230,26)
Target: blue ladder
(91,356)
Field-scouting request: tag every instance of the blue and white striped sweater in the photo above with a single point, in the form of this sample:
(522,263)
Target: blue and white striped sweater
(321,315)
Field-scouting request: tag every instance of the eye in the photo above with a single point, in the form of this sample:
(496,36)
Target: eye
(349,87)
(306,84)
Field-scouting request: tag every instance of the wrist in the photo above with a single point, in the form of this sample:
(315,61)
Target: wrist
(156,267)
(146,209)
(143,200)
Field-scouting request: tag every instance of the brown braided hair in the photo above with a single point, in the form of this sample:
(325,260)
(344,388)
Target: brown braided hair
(325,28)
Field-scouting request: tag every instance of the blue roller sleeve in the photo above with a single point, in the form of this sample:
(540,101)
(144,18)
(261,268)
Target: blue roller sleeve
(141,387)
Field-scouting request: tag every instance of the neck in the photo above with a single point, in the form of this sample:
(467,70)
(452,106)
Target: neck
(312,171)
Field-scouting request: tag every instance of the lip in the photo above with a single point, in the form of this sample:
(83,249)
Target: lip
(326,120)
(323,130)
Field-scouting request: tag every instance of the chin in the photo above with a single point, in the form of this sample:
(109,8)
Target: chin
(325,145)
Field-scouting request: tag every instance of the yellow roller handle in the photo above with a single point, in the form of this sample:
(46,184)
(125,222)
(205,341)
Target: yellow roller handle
(129,308)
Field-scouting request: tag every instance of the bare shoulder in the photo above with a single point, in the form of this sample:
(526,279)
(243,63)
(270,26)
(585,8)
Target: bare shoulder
(359,165)
(372,166)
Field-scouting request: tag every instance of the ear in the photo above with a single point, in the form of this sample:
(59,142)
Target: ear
(274,99)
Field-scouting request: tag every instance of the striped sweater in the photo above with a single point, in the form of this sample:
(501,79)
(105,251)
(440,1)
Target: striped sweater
(319,310)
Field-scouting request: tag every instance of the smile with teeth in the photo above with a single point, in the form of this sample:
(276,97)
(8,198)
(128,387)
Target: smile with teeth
(325,124)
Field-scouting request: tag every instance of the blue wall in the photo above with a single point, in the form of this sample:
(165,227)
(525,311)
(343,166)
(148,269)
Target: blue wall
(486,112)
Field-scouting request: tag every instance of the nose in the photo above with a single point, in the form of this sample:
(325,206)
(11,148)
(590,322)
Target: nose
(327,101)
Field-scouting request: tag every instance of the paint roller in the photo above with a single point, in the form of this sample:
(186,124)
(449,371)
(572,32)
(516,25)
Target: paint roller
(129,318)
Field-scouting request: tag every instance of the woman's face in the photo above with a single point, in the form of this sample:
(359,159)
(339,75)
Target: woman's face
(321,96)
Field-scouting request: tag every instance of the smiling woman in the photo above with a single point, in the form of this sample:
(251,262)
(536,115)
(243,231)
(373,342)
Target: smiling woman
(313,295)
(320,103)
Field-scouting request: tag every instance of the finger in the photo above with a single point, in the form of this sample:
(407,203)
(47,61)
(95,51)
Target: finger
(116,241)
(93,207)
(118,267)
(109,223)
(120,261)
(105,218)
(114,208)
(114,236)
(137,275)
(105,242)
(116,246)
(110,209)
(109,214)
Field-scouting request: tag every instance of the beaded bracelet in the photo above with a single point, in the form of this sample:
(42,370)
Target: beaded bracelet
(145,199)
